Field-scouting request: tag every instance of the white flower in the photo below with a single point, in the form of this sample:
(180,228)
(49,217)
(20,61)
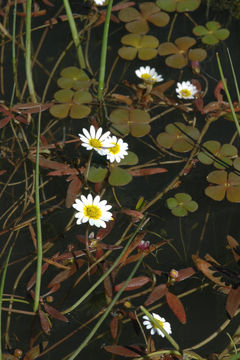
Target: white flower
(117,151)
(148,74)
(186,90)
(95,140)
(92,210)
(99,2)
(154,329)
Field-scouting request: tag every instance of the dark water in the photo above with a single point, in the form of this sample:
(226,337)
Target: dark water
(205,309)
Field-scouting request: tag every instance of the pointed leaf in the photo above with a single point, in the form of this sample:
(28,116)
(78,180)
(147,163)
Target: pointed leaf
(44,322)
(176,306)
(235,247)
(122,351)
(114,327)
(54,313)
(157,293)
(233,301)
(73,190)
(148,171)
(134,283)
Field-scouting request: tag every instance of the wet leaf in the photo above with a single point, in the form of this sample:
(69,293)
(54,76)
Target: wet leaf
(235,247)
(143,45)
(148,171)
(181,204)
(227,184)
(211,33)
(157,293)
(32,281)
(97,174)
(35,351)
(176,306)
(119,177)
(123,351)
(130,159)
(178,5)
(54,313)
(185,273)
(132,246)
(103,232)
(73,78)
(45,324)
(135,121)
(114,327)
(233,301)
(73,190)
(134,283)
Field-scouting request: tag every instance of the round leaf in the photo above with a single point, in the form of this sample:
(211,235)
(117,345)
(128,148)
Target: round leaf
(159,19)
(233,194)
(229,150)
(97,174)
(213,25)
(127,53)
(191,206)
(177,61)
(200,30)
(138,26)
(171,203)
(147,53)
(236,163)
(139,130)
(183,197)
(79,111)
(197,54)
(129,14)
(60,111)
(218,177)
(82,97)
(185,42)
(179,211)
(64,95)
(167,5)
(119,177)
(222,34)
(215,192)
(168,48)
(130,159)
(187,5)
(210,39)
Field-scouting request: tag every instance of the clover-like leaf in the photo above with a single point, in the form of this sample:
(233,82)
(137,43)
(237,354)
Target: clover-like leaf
(179,53)
(137,22)
(225,184)
(119,177)
(224,153)
(181,204)
(176,139)
(97,174)
(71,103)
(73,78)
(135,121)
(178,5)
(211,33)
(145,46)
(130,159)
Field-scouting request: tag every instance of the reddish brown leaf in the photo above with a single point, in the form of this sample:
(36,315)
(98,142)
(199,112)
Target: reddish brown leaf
(160,89)
(44,322)
(151,249)
(103,232)
(211,107)
(122,98)
(67,171)
(134,283)
(73,190)
(114,327)
(235,247)
(149,171)
(121,350)
(157,293)
(176,306)
(217,91)
(135,215)
(132,246)
(233,301)
(199,104)
(31,108)
(123,5)
(185,273)
(107,282)
(33,278)
(35,351)
(4,122)
(54,313)
(49,164)
(63,275)
(2,172)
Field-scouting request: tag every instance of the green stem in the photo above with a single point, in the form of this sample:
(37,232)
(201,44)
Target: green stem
(105,314)
(75,35)
(228,95)
(79,301)
(156,324)
(37,198)
(104,52)
(1,295)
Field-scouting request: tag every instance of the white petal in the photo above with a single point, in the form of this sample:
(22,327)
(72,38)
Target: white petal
(92,132)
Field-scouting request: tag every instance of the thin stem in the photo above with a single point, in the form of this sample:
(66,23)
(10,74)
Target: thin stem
(104,52)
(1,295)
(75,34)
(105,314)
(228,95)
(28,51)
(234,75)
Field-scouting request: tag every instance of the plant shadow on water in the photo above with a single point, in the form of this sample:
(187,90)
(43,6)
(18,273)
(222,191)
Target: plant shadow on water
(156,199)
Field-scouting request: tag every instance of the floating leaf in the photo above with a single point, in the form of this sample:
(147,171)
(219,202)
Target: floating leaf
(235,247)
(179,53)
(73,78)
(224,153)
(233,301)
(137,22)
(135,121)
(148,171)
(97,174)
(226,184)
(119,177)
(178,5)
(181,204)
(176,139)
(157,293)
(211,33)
(176,306)
(71,104)
(114,327)
(130,159)
(73,190)
(142,45)
(134,283)
(128,351)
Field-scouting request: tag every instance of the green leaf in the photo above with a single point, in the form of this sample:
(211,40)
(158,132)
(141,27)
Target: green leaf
(210,39)
(79,111)
(119,177)
(82,97)
(191,206)
(167,5)
(130,159)
(171,203)
(222,34)
(64,95)
(60,111)
(179,211)
(200,30)
(183,197)
(97,174)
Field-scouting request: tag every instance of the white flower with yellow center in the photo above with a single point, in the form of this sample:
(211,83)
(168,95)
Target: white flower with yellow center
(148,75)
(117,151)
(92,210)
(186,90)
(154,329)
(95,140)
(99,2)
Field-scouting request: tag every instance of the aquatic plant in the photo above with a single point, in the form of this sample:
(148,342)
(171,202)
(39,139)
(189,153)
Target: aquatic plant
(212,33)
(181,203)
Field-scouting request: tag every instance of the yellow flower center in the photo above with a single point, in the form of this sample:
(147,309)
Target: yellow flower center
(115,149)
(159,322)
(146,76)
(92,212)
(185,92)
(95,143)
